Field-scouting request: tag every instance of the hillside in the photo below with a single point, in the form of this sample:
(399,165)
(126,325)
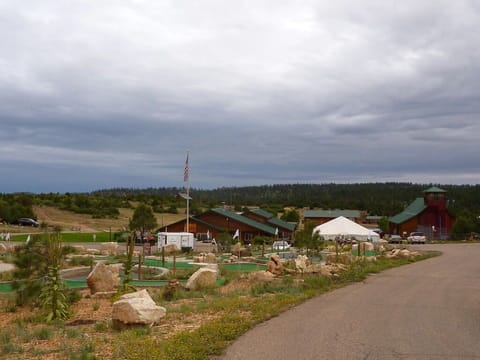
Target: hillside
(70,221)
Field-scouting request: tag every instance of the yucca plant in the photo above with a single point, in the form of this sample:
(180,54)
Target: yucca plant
(53,295)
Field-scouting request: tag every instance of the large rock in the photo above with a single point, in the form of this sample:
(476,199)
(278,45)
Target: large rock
(109,248)
(261,276)
(103,278)
(342,258)
(301,263)
(137,308)
(274,265)
(202,278)
(368,246)
(404,254)
(5,249)
(79,249)
(208,258)
(170,248)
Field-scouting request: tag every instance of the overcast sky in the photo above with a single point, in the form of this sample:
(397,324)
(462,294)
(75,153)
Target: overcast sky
(101,94)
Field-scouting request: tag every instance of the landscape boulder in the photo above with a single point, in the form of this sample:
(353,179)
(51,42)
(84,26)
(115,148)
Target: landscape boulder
(202,278)
(405,254)
(274,265)
(208,258)
(342,258)
(92,251)
(170,248)
(301,263)
(80,249)
(240,250)
(103,278)
(109,248)
(137,308)
(261,276)
(368,246)
(5,249)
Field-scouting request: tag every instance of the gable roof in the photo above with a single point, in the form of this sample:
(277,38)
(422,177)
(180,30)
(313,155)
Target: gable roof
(244,220)
(273,220)
(281,223)
(193,219)
(434,189)
(331,213)
(415,208)
(263,213)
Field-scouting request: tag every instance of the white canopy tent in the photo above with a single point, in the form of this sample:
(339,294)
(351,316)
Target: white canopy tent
(343,227)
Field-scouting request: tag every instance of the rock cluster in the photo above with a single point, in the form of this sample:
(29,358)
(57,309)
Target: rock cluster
(401,254)
(109,248)
(239,250)
(208,258)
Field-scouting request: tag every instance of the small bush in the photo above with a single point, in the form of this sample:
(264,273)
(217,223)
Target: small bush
(101,326)
(43,333)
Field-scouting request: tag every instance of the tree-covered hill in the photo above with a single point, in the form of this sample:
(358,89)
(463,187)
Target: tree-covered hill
(385,199)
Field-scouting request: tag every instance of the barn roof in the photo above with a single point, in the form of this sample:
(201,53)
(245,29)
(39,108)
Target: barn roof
(415,208)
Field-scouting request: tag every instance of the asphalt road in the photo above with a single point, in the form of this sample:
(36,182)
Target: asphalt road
(426,310)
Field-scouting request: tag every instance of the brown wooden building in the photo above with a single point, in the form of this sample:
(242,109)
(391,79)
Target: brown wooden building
(217,221)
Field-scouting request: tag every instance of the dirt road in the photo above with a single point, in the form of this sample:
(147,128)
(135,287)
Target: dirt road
(426,310)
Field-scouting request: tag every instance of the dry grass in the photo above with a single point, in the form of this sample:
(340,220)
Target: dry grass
(68,220)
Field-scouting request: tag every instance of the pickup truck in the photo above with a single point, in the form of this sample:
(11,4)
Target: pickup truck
(416,237)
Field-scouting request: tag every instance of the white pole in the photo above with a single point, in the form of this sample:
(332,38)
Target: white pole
(187,169)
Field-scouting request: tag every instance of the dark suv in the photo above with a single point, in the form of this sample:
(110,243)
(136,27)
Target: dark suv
(27,222)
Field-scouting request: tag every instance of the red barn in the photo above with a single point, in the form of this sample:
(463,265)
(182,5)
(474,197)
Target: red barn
(428,214)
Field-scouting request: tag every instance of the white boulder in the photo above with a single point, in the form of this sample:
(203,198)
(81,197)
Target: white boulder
(137,308)
(202,278)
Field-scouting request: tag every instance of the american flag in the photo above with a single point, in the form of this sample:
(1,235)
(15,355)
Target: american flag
(186,170)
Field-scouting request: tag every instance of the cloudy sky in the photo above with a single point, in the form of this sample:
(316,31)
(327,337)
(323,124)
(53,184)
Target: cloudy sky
(112,93)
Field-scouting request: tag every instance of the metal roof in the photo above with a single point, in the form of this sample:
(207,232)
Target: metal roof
(244,220)
(274,220)
(415,208)
(331,213)
(262,213)
(281,223)
(434,189)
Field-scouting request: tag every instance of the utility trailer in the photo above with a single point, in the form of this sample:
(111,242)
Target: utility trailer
(182,240)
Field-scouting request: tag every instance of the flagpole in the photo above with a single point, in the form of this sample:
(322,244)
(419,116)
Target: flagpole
(187,176)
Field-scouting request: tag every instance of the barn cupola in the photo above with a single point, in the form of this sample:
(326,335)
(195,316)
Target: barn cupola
(435,197)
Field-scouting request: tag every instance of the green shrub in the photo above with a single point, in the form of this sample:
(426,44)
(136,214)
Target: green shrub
(43,333)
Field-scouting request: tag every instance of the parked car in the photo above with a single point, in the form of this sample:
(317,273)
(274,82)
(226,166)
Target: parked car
(379,232)
(395,239)
(281,245)
(27,222)
(416,237)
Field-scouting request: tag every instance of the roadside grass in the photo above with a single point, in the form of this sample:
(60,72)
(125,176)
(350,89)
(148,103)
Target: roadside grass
(28,341)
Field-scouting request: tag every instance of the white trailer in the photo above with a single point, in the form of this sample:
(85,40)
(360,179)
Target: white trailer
(182,240)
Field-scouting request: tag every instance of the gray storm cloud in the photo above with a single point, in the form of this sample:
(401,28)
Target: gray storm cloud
(266,92)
